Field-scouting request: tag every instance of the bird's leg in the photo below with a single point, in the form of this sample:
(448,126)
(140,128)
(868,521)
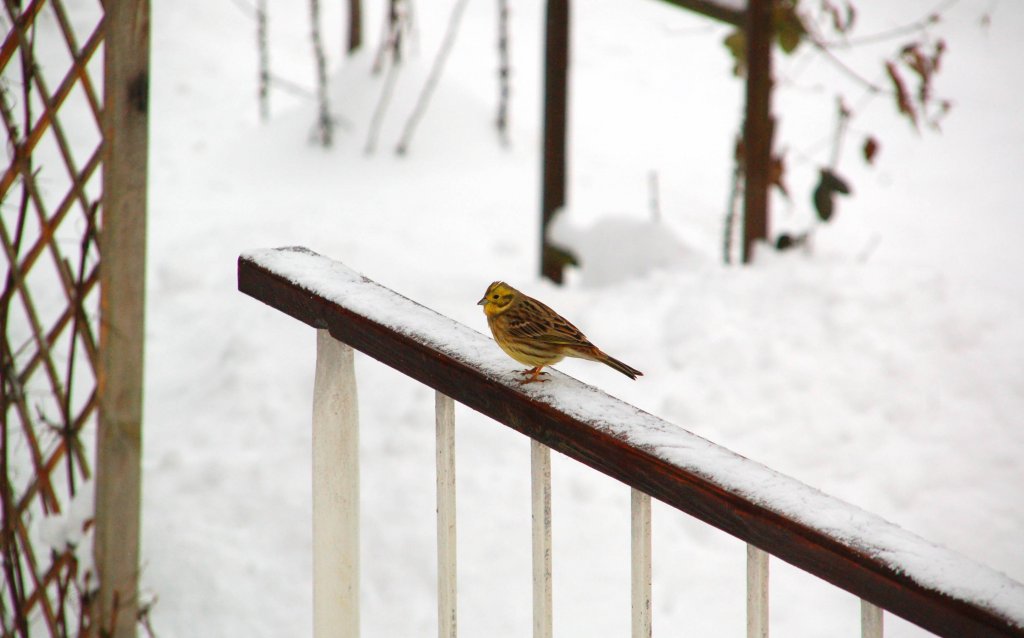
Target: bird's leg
(534,374)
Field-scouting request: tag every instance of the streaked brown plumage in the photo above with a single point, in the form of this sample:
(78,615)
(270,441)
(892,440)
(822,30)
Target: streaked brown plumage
(535,335)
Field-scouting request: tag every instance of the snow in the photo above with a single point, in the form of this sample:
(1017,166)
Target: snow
(642,246)
(72,528)
(882,367)
(336,282)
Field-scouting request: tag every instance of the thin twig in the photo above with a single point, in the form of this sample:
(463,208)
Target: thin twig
(78,305)
(395,19)
(391,35)
(826,46)
(382,106)
(842,124)
(292,87)
(432,79)
(390,44)
(504,72)
(817,43)
(263,49)
(729,232)
(916,26)
(324,122)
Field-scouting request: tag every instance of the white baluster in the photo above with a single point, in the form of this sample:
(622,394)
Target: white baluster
(640,528)
(444,411)
(540,466)
(335,491)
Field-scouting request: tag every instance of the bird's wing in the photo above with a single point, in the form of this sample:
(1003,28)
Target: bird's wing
(550,327)
(524,327)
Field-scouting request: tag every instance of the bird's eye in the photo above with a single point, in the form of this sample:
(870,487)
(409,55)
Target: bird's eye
(494,297)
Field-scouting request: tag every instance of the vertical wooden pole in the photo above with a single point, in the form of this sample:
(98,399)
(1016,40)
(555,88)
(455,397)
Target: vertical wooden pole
(122,244)
(757,126)
(556,92)
(540,471)
(447,596)
(871,624)
(355,26)
(757,593)
(640,527)
(335,491)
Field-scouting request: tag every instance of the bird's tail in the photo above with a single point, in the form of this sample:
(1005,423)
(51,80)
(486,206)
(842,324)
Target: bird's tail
(611,362)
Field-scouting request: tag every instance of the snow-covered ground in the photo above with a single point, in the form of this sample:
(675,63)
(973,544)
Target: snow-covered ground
(885,367)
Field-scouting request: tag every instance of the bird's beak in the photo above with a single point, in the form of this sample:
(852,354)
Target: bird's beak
(483,300)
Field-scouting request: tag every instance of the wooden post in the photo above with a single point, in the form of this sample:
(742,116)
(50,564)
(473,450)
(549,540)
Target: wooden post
(540,474)
(447,591)
(757,126)
(335,491)
(122,244)
(355,26)
(757,592)
(556,81)
(640,565)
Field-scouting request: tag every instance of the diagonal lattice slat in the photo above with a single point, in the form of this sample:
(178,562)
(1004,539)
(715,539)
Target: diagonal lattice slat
(52,112)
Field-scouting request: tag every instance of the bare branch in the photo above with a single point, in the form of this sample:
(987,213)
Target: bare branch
(432,79)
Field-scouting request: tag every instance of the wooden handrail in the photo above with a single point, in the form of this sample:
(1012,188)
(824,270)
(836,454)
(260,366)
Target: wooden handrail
(859,552)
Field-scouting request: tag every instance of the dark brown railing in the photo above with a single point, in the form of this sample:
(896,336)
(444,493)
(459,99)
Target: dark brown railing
(870,558)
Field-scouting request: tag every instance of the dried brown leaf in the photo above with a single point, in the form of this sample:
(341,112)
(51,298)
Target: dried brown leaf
(870,149)
(903,101)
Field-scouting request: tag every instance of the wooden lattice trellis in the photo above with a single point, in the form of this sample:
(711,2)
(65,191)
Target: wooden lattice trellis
(52,70)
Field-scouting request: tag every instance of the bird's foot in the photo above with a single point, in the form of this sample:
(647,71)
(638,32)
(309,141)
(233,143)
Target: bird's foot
(533,375)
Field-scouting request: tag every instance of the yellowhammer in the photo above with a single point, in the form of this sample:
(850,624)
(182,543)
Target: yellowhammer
(531,333)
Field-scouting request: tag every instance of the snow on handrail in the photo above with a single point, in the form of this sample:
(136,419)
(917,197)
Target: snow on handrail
(940,590)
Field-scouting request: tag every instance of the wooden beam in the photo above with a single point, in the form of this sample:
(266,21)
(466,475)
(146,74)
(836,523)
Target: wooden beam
(122,243)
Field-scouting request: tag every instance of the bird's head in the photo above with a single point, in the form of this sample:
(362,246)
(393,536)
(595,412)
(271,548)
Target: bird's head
(498,298)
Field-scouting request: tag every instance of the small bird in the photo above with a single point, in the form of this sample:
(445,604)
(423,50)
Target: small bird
(531,333)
